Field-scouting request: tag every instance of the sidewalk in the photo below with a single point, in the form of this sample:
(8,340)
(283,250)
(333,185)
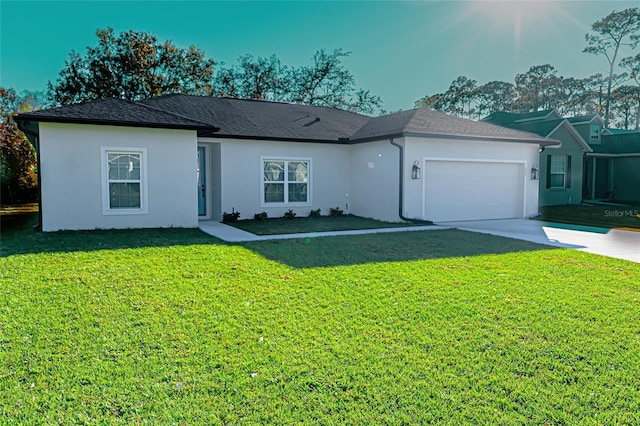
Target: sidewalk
(232,234)
(616,243)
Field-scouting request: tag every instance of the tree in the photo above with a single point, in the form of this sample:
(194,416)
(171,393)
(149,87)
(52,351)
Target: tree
(460,95)
(17,156)
(254,78)
(537,89)
(632,64)
(436,102)
(625,102)
(364,102)
(494,96)
(132,65)
(326,82)
(612,32)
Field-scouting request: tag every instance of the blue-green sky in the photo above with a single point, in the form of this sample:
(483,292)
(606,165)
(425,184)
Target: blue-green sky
(401,51)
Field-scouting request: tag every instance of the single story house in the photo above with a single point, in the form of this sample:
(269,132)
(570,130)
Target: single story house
(177,159)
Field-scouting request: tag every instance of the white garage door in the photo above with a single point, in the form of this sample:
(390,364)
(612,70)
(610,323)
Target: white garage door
(469,190)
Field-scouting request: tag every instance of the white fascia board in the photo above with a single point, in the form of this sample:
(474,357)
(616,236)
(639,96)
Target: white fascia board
(585,146)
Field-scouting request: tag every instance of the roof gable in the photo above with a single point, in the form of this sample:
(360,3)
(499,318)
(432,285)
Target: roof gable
(584,119)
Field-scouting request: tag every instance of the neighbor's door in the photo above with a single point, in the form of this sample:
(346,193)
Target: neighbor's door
(202,182)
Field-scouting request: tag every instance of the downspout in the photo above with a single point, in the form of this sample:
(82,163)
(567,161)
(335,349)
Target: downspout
(401,188)
(36,141)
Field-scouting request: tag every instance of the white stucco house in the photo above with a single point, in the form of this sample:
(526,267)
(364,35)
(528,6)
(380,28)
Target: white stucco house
(174,160)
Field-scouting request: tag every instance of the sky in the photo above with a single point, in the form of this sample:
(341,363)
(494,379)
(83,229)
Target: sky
(400,51)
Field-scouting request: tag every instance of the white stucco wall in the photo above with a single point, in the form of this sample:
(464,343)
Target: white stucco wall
(375,181)
(419,149)
(241,175)
(72,176)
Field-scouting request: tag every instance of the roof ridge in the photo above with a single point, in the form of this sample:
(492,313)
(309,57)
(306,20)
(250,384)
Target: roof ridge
(184,117)
(267,101)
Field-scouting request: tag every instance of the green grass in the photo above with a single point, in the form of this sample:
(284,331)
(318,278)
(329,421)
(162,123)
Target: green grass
(604,216)
(175,327)
(274,226)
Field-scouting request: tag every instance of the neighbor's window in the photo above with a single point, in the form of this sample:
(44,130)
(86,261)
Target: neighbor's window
(595,132)
(285,181)
(557,171)
(123,181)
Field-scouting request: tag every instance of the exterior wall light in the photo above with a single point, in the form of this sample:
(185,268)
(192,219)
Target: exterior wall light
(534,173)
(415,170)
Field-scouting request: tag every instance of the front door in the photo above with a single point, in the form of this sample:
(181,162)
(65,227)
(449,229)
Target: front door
(202,182)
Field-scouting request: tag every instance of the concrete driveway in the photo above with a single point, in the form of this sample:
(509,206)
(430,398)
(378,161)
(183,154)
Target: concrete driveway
(613,243)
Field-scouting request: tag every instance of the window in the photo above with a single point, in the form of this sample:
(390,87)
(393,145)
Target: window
(123,183)
(558,171)
(285,181)
(594,135)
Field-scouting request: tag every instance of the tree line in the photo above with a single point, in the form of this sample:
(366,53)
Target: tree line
(615,96)
(136,65)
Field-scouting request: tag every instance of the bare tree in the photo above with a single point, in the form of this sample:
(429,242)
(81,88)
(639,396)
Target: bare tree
(608,35)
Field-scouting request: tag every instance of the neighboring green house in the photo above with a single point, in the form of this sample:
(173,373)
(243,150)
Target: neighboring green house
(612,170)
(560,169)
(591,164)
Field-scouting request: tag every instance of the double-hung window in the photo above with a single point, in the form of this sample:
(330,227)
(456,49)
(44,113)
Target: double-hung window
(558,171)
(124,181)
(285,181)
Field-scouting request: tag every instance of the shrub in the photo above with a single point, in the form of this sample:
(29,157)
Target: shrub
(230,217)
(336,211)
(260,216)
(290,214)
(314,213)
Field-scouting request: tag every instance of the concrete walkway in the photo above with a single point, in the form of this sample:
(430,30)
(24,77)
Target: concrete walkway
(616,243)
(234,235)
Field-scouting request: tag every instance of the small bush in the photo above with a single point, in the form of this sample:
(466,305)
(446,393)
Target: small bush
(230,217)
(260,216)
(290,214)
(336,211)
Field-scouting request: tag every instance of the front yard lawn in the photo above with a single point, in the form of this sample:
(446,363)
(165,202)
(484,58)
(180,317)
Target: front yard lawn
(604,216)
(275,226)
(175,327)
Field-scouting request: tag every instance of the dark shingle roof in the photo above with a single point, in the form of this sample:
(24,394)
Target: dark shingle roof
(502,118)
(542,128)
(426,122)
(626,143)
(239,118)
(118,112)
(582,118)
(620,131)
(264,119)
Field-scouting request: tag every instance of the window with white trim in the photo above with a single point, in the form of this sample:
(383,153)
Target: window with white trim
(557,171)
(594,133)
(285,181)
(123,181)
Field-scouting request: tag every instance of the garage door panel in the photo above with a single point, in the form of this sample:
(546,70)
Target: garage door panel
(464,190)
